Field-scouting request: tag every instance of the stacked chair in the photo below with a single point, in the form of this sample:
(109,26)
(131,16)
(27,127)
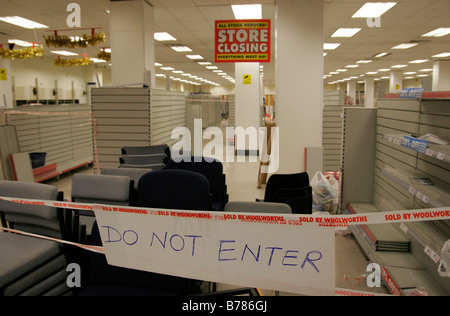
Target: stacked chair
(291,189)
(153,157)
(32,266)
(100,189)
(213,170)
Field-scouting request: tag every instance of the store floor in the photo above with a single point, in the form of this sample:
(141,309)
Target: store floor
(242,177)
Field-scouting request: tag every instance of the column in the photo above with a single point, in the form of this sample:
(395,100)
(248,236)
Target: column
(369,92)
(6,98)
(298,80)
(441,75)
(132,42)
(351,90)
(247,106)
(396,81)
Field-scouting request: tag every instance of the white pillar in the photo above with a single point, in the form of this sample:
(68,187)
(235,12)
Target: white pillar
(351,90)
(132,42)
(247,103)
(6,99)
(369,92)
(298,80)
(441,75)
(396,81)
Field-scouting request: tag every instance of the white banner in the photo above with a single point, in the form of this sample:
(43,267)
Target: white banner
(252,250)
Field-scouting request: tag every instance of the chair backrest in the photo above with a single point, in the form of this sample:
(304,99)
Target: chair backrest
(44,220)
(146,150)
(134,173)
(150,167)
(257,207)
(101,189)
(144,159)
(174,189)
(284,181)
(299,199)
(212,169)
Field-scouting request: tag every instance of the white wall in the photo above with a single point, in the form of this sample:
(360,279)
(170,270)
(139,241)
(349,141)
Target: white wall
(26,71)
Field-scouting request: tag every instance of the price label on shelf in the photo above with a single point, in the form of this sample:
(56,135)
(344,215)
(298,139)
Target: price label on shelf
(412,190)
(432,254)
(429,152)
(415,144)
(440,156)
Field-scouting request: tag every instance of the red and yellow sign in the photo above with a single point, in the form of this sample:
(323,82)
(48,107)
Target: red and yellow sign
(243,41)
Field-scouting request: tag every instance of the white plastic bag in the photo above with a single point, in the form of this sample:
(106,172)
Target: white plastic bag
(325,193)
(444,265)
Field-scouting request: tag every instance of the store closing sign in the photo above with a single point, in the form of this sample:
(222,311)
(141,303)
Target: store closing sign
(253,250)
(243,41)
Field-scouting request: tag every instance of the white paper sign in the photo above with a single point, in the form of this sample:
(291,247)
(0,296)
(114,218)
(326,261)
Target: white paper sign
(268,251)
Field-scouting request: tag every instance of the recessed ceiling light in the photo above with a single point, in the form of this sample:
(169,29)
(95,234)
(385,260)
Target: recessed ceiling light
(420,76)
(442,55)
(164,36)
(20,43)
(381,55)
(341,70)
(167,68)
(405,46)
(194,57)
(247,11)
(364,61)
(22,22)
(331,46)
(399,66)
(442,31)
(96,60)
(177,71)
(371,73)
(425,70)
(345,32)
(204,63)
(352,66)
(63,53)
(374,9)
(383,70)
(212,67)
(158,64)
(410,73)
(418,61)
(181,48)
(186,75)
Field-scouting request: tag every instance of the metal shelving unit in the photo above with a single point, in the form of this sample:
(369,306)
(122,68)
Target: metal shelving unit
(402,178)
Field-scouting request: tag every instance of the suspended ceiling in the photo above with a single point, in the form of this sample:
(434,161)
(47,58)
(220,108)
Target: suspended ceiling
(191,22)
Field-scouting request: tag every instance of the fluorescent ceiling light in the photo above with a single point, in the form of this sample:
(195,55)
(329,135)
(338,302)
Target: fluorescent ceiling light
(341,70)
(374,9)
(212,67)
(194,56)
(204,63)
(167,68)
(164,36)
(381,55)
(399,66)
(63,52)
(405,46)
(96,60)
(186,75)
(217,70)
(371,73)
(331,46)
(181,48)
(383,70)
(352,66)
(410,73)
(177,71)
(364,61)
(158,64)
(408,78)
(420,76)
(425,70)
(442,31)
(418,61)
(346,32)
(22,22)
(324,54)
(247,11)
(20,43)
(442,55)
(107,50)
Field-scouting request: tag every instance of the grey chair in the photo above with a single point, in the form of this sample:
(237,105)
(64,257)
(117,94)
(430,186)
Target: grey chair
(146,150)
(257,207)
(134,173)
(31,266)
(99,189)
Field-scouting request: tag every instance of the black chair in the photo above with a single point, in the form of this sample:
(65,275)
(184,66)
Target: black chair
(291,189)
(147,150)
(33,266)
(212,169)
(174,189)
